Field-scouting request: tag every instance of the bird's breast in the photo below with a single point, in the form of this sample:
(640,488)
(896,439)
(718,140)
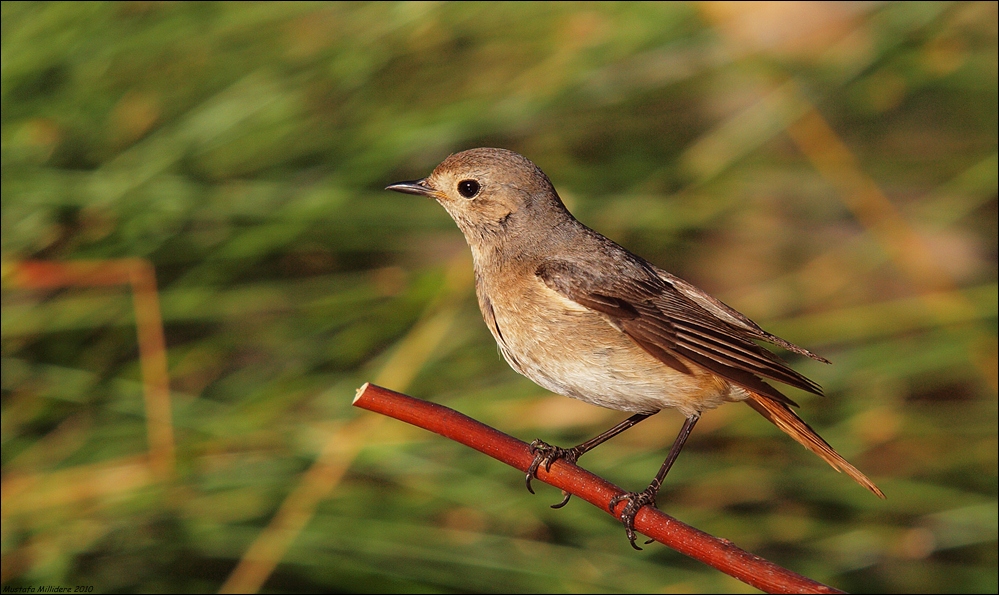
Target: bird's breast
(575,351)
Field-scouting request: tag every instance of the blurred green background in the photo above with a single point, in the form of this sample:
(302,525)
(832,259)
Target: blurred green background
(828,169)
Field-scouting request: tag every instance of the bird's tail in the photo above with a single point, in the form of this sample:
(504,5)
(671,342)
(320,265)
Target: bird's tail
(784,418)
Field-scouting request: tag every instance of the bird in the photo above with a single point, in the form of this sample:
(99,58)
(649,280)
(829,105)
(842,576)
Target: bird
(584,317)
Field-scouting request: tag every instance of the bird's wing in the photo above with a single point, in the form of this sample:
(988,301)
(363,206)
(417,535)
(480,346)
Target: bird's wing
(732,316)
(670,326)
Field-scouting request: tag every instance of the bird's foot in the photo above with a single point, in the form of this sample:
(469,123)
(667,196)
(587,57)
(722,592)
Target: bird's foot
(546,454)
(635,502)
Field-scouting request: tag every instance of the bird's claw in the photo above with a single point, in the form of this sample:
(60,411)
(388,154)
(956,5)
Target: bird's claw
(546,454)
(565,500)
(635,502)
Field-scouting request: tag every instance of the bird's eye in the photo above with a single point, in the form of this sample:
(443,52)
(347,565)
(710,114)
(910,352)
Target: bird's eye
(468,188)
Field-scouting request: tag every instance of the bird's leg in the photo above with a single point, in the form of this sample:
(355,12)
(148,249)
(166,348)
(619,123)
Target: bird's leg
(546,454)
(648,495)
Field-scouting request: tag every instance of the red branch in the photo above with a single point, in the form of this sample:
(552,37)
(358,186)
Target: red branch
(719,553)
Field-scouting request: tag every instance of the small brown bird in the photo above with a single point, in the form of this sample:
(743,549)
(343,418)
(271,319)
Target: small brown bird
(583,317)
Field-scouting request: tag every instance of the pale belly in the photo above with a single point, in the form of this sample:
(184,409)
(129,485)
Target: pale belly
(571,350)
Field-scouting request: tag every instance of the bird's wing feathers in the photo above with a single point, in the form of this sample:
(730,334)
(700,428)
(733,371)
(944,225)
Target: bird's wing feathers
(674,327)
(732,316)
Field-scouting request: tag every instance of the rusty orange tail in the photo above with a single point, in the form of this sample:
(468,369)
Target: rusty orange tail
(781,416)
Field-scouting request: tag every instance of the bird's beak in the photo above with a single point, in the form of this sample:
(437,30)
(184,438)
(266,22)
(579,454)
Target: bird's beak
(418,187)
